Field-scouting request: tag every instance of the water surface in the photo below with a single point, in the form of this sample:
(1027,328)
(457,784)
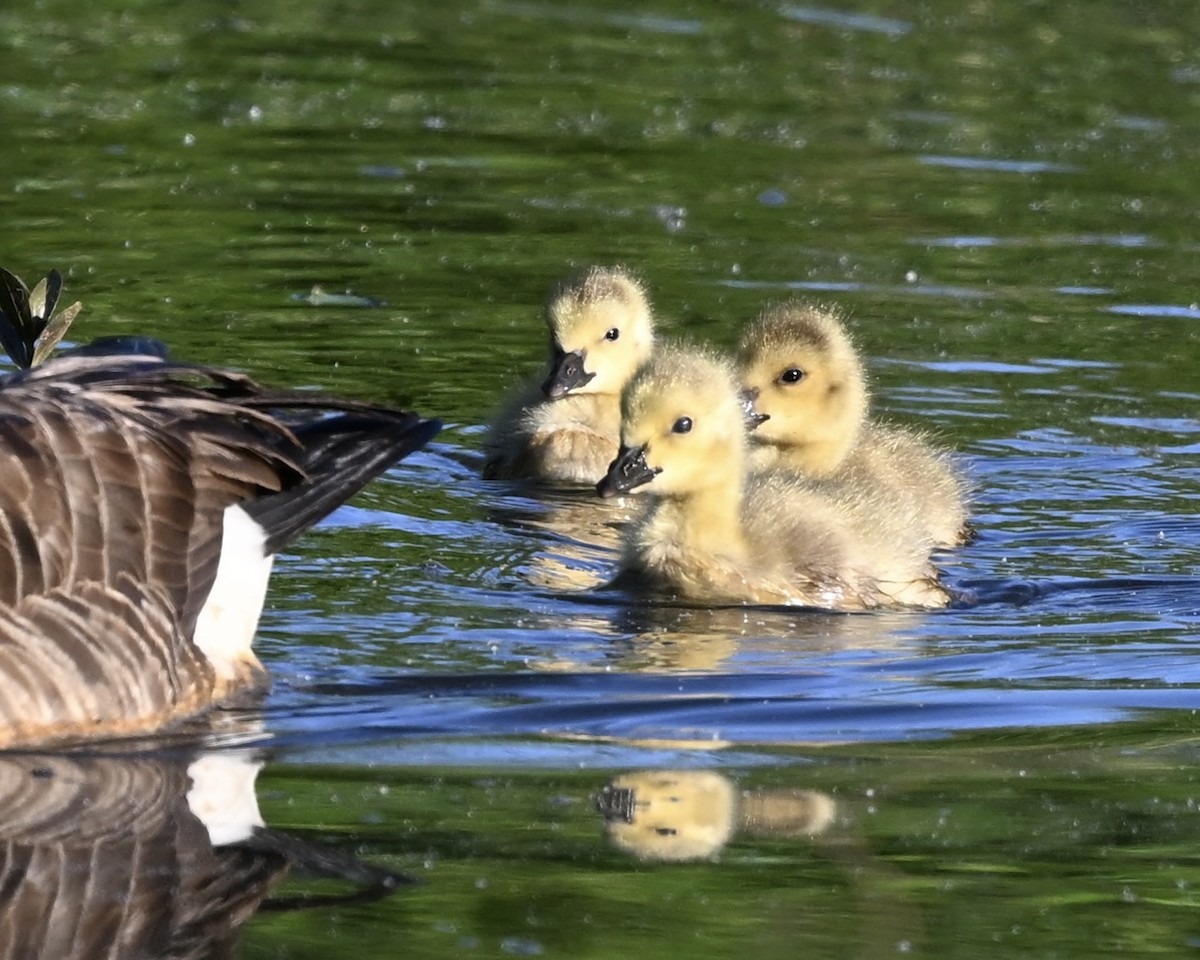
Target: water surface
(1001,195)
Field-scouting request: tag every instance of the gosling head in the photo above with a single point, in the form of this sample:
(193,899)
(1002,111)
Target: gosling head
(670,815)
(601,331)
(681,426)
(802,379)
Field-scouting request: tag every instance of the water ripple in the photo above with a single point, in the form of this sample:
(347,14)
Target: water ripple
(1190,312)
(1003,166)
(847,21)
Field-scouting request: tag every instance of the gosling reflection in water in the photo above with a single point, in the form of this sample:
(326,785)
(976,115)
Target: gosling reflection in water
(577,539)
(671,637)
(141,857)
(677,815)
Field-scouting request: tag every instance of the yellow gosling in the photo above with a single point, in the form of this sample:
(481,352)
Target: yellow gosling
(565,427)
(806,381)
(716,534)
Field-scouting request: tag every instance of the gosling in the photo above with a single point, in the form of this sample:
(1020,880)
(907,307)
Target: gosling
(808,390)
(715,533)
(565,428)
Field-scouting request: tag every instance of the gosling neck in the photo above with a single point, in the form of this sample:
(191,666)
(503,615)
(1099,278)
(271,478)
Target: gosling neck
(821,457)
(710,516)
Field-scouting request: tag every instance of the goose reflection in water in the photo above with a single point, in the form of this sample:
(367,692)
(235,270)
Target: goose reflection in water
(677,815)
(124,857)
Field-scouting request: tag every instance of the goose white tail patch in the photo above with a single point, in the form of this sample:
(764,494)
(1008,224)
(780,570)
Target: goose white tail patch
(222,796)
(229,619)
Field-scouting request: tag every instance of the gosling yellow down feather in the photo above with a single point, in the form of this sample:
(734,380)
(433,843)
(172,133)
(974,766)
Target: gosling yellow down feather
(806,380)
(564,428)
(718,534)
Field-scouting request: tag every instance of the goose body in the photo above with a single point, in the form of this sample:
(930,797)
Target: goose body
(564,428)
(141,502)
(715,532)
(809,391)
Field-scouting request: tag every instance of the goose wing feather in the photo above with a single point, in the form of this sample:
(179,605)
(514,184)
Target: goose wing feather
(113,492)
(96,659)
(125,466)
(339,454)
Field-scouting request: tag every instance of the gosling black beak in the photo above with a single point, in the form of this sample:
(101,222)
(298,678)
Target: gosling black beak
(629,470)
(616,803)
(753,417)
(566,373)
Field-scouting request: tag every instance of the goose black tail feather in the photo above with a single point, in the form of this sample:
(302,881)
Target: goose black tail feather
(339,455)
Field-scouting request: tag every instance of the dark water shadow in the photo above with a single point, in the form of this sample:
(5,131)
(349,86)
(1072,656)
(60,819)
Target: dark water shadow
(1105,591)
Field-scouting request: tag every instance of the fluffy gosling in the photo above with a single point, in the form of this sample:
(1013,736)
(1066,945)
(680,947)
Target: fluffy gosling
(717,534)
(565,427)
(808,387)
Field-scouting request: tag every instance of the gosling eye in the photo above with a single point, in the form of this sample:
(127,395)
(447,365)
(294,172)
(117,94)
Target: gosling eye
(666,831)
(791,375)
(612,333)
(682,425)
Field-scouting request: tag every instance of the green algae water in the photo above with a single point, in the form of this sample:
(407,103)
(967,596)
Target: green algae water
(373,199)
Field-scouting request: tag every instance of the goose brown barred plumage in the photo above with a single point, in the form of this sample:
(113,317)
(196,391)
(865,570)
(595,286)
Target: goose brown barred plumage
(141,503)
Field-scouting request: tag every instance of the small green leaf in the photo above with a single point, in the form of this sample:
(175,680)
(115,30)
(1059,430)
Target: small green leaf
(55,330)
(44,297)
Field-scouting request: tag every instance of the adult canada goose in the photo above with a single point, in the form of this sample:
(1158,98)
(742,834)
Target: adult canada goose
(141,503)
(806,381)
(715,534)
(564,428)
